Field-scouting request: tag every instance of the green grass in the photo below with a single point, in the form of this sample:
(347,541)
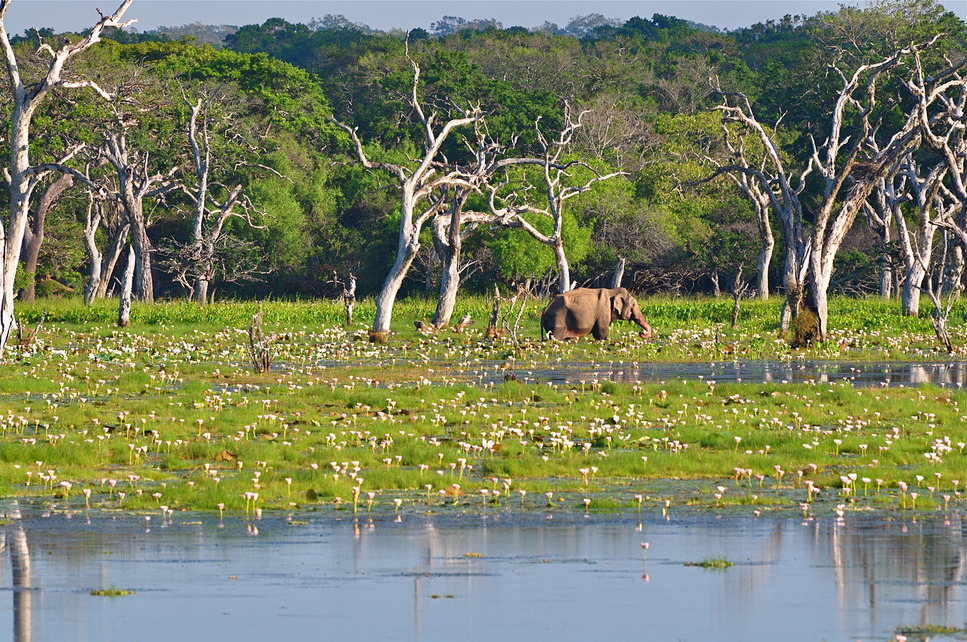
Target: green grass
(170,413)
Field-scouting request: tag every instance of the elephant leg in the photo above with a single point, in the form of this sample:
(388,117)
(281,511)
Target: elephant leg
(600,331)
(562,334)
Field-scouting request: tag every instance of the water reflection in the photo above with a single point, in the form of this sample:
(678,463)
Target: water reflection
(569,577)
(943,374)
(15,538)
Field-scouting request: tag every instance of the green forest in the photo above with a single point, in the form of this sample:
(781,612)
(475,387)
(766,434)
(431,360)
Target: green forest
(815,155)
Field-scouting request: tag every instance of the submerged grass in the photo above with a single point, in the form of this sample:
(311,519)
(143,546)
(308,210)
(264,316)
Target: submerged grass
(111,592)
(712,563)
(168,415)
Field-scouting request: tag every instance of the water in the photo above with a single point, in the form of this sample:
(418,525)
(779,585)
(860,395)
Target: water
(859,374)
(498,576)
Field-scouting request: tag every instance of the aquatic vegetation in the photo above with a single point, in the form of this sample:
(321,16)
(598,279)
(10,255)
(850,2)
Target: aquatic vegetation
(712,563)
(111,592)
(170,414)
(930,631)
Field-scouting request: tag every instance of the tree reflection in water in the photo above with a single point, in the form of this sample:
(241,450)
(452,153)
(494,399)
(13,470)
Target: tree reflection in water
(859,374)
(862,577)
(14,540)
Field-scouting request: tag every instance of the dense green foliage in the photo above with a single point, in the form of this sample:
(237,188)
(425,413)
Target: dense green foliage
(644,84)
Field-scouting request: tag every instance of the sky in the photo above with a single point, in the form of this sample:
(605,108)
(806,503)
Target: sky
(76,15)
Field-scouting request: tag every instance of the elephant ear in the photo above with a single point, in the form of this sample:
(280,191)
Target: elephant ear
(619,303)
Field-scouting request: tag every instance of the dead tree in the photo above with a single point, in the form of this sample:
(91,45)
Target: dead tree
(20,174)
(944,287)
(848,175)
(102,213)
(260,347)
(127,284)
(556,173)
(515,312)
(768,180)
(348,295)
(760,196)
(916,237)
(196,263)
(448,235)
(493,330)
(35,230)
(879,216)
(136,184)
(618,274)
(418,182)
(454,223)
(945,132)
(450,228)
(739,287)
(849,171)
(123,196)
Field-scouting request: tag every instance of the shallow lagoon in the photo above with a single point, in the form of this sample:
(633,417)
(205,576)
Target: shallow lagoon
(561,576)
(944,374)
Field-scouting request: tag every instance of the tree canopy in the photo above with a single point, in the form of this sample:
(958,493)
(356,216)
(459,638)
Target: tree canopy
(647,86)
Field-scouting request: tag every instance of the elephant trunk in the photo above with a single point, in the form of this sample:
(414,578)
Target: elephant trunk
(639,318)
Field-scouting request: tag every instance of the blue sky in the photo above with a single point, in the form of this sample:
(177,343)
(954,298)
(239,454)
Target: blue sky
(65,15)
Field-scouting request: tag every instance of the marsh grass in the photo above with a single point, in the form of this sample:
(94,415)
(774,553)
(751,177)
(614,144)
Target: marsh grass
(174,402)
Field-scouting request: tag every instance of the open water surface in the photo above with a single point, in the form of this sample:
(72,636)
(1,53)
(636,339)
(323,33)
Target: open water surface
(952,374)
(500,576)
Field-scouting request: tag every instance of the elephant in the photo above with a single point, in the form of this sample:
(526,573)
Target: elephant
(584,311)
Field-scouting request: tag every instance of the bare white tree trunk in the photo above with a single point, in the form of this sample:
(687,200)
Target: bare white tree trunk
(208,226)
(417,184)
(848,180)
(946,134)
(449,230)
(762,265)
(199,293)
(35,232)
(124,307)
(103,263)
(944,289)
(407,247)
(879,215)
(21,176)
(716,285)
(910,294)
(94,255)
(751,185)
(448,240)
(618,274)
(117,243)
(563,267)
(349,298)
(143,249)
(770,186)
